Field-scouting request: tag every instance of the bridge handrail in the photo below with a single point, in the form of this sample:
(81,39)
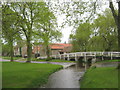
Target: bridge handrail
(91,53)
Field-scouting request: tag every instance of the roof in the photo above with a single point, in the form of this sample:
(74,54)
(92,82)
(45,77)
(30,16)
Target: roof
(55,46)
(59,46)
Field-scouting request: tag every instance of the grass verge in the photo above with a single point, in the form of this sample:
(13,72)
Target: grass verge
(53,60)
(100,77)
(108,61)
(8,58)
(26,75)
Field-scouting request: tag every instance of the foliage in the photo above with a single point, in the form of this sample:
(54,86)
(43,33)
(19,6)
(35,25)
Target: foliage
(5,49)
(9,29)
(30,75)
(82,36)
(46,29)
(31,18)
(101,35)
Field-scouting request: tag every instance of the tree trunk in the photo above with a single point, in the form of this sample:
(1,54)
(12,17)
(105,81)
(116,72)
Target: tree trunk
(48,52)
(11,50)
(20,51)
(117,21)
(29,50)
(118,26)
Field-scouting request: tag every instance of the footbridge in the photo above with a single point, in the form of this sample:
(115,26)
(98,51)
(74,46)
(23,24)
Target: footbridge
(88,55)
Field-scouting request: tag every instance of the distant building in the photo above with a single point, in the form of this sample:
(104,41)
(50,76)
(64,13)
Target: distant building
(55,48)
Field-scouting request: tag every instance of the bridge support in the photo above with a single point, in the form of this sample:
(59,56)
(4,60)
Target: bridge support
(68,58)
(60,56)
(75,57)
(85,57)
(111,56)
(64,56)
(102,56)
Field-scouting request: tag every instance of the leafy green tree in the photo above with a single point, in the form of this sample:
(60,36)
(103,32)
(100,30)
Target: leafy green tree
(47,29)
(9,21)
(81,37)
(5,49)
(28,13)
(116,16)
(101,35)
(106,31)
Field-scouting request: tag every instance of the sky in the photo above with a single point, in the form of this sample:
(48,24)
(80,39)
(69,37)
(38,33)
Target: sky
(66,31)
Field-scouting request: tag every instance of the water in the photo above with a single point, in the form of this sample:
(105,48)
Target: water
(66,78)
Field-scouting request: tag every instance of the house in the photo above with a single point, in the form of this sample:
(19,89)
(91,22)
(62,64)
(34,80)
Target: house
(60,48)
(55,48)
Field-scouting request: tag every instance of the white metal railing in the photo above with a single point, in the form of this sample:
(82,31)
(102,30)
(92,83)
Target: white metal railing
(85,54)
(75,54)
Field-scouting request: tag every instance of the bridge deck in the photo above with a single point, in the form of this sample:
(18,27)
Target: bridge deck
(75,55)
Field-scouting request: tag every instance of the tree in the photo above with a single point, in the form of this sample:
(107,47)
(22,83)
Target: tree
(97,36)
(81,37)
(116,18)
(106,31)
(47,28)
(9,26)
(28,13)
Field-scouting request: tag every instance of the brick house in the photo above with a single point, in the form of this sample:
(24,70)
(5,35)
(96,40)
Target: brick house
(55,48)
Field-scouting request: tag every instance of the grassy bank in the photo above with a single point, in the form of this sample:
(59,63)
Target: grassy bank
(26,75)
(8,58)
(100,77)
(53,60)
(108,61)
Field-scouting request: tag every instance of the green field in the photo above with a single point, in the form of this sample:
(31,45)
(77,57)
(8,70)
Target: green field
(26,75)
(102,77)
(53,60)
(108,61)
(8,58)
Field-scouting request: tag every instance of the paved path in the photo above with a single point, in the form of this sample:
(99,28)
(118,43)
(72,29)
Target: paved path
(64,64)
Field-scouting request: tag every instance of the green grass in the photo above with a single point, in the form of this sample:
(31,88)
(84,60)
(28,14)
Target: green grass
(108,61)
(102,77)
(26,75)
(57,60)
(8,58)
(53,60)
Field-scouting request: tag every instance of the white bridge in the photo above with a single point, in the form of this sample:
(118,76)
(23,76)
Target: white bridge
(85,55)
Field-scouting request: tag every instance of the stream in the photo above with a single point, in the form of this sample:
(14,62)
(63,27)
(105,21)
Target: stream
(66,78)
